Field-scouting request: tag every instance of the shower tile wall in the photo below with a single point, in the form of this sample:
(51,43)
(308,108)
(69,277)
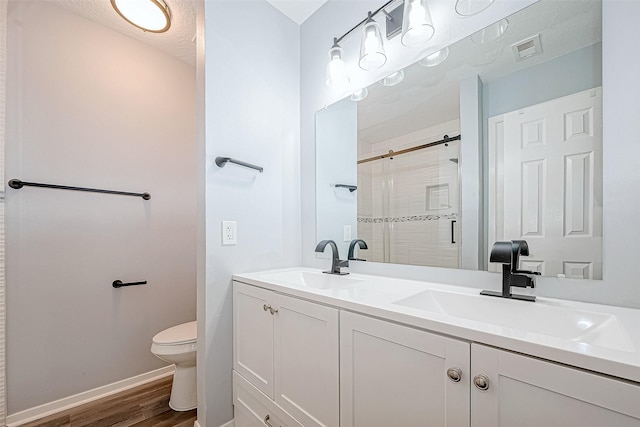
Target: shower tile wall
(395,195)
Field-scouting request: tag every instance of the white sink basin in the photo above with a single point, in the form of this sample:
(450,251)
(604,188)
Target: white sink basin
(588,327)
(309,279)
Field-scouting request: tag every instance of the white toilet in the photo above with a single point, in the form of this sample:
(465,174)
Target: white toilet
(178,345)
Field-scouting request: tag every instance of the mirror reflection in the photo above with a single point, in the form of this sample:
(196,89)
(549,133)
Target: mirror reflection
(513,112)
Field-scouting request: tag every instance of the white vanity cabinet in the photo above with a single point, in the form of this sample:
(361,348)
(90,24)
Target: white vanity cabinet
(287,349)
(527,392)
(393,375)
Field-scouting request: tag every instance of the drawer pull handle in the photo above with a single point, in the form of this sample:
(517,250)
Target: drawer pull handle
(481,382)
(272,310)
(266,420)
(454,374)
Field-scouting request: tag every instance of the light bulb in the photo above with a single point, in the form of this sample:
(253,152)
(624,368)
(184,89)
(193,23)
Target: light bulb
(372,54)
(359,95)
(336,71)
(417,27)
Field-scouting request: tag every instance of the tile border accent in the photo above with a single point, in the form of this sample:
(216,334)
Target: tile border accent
(411,218)
(37,412)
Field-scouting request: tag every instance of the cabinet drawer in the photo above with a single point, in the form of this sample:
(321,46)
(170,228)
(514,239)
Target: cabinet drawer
(252,407)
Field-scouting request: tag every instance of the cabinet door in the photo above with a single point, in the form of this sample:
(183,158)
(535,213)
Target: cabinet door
(393,375)
(253,335)
(523,391)
(307,361)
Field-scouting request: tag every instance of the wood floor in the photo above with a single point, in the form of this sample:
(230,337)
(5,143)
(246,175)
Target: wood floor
(147,405)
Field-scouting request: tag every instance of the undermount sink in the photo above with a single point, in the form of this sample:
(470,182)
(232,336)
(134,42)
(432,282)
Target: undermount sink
(588,327)
(310,279)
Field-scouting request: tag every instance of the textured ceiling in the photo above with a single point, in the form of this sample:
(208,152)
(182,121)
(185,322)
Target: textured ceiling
(178,41)
(297,10)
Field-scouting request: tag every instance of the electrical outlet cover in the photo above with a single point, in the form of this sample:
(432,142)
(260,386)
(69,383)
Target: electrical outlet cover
(229,233)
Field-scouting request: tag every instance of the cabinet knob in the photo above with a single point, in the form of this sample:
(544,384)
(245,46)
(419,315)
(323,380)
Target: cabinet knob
(454,374)
(481,382)
(272,310)
(266,420)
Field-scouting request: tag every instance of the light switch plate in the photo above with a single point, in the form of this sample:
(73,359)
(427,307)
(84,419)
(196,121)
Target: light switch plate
(229,233)
(347,233)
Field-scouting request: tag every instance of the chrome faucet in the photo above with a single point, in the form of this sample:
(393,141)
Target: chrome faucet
(508,253)
(352,248)
(336,262)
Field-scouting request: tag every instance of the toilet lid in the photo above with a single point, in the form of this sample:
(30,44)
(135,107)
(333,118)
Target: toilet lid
(179,334)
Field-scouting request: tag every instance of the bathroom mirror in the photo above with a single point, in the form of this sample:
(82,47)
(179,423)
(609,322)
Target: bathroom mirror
(391,168)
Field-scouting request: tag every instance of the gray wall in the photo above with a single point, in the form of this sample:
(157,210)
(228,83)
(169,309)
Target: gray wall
(568,74)
(252,113)
(621,159)
(80,113)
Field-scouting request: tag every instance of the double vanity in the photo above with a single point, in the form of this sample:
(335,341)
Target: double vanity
(316,349)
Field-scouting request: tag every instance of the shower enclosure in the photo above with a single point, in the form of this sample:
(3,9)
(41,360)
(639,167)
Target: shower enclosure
(409,204)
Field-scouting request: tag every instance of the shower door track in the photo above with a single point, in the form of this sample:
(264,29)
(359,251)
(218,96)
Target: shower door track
(392,153)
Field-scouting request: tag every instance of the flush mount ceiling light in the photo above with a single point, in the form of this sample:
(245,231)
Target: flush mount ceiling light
(393,78)
(148,15)
(336,72)
(435,58)
(372,54)
(471,7)
(417,27)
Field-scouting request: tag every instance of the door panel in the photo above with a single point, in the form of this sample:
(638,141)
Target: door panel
(546,183)
(393,375)
(253,336)
(307,361)
(524,391)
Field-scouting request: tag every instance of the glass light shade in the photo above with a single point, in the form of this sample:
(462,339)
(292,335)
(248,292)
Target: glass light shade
(359,95)
(393,78)
(417,26)
(148,15)
(491,33)
(336,71)
(372,54)
(471,7)
(435,58)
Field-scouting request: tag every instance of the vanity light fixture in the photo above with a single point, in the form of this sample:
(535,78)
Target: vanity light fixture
(359,95)
(372,54)
(393,78)
(417,26)
(434,59)
(472,7)
(336,71)
(148,15)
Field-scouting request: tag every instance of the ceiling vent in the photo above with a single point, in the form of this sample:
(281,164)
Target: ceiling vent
(527,48)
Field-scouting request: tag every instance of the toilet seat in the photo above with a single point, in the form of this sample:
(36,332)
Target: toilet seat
(185,333)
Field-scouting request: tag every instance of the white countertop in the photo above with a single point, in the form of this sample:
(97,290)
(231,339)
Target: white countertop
(546,328)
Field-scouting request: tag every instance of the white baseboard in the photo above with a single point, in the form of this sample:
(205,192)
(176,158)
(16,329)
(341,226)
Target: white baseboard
(47,409)
(227,424)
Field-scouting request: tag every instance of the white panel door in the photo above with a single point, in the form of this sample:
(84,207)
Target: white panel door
(253,335)
(392,375)
(546,183)
(307,361)
(527,392)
